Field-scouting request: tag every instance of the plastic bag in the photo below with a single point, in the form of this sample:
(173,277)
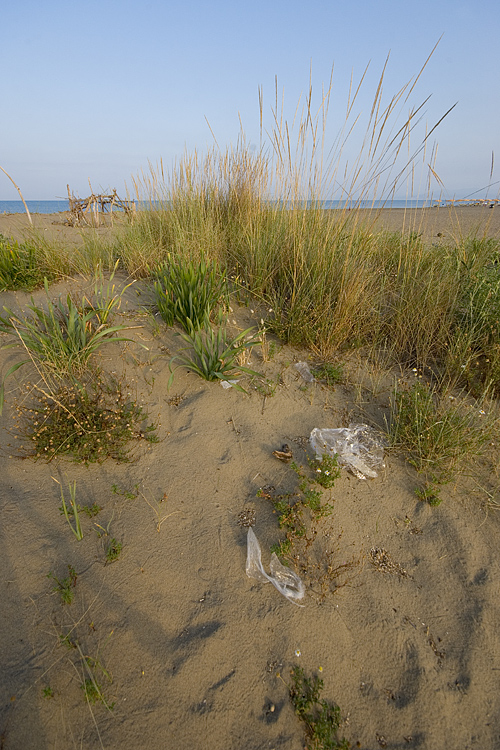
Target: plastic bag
(228,383)
(285,580)
(358,447)
(306,373)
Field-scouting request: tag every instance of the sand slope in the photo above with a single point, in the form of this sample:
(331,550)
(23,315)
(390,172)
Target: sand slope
(199,653)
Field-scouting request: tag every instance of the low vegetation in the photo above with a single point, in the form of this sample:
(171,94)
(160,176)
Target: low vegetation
(321,718)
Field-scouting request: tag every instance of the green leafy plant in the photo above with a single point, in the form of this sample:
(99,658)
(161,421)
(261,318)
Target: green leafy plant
(127,494)
(292,507)
(48,692)
(62,338)
(309,543)
(187,292)
(326,471)
(87,425)
(214,355)
(329,373)
(321,718)
(113,550)
(429,493)
(90,510)
(65,586)
(76,529)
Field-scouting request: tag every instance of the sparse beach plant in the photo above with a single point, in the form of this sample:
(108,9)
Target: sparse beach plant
(76,529)
(91,687)
(309,543)
(87,425)
(430,493)
(214,355)
(113,550)
(321,718)
(65,586)
(329,373)
(326,471)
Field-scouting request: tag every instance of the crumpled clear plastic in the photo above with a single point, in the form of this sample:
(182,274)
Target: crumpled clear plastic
(285,580)
(358,447)
(305,371)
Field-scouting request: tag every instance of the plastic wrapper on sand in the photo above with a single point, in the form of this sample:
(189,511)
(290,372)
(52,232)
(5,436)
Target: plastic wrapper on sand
(285,580)
(358,447)
(305,371)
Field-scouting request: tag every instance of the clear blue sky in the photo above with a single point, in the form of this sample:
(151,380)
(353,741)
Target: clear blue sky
(95,90)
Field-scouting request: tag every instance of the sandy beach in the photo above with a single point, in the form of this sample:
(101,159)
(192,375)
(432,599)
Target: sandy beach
(434,224)
(191,651)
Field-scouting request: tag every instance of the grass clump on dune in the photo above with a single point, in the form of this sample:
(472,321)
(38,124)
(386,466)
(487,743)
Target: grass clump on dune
(20,266)
(441,434)
(188,293)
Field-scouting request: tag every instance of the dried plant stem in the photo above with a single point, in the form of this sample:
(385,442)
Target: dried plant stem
(21,195)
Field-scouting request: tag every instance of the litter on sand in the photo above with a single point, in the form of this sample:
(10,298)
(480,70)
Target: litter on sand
(285,580)
(305,371)
(228,383)
(358,447)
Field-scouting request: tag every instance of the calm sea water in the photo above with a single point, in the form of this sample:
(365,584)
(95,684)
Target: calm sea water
(34,207)
(52,207)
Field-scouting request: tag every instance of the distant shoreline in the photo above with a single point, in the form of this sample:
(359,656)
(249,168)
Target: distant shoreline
(437,224)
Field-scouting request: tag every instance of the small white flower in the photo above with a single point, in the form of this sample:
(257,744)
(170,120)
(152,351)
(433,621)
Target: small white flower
(298,652)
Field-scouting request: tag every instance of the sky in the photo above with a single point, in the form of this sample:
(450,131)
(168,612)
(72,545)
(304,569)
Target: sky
(97,91)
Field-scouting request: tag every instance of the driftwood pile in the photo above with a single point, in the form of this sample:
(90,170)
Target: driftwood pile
(92,211)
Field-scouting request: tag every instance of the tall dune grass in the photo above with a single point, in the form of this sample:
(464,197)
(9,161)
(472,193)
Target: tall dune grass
(331,282)
(330,279)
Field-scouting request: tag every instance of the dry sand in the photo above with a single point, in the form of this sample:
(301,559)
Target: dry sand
(199,653)
(438,225)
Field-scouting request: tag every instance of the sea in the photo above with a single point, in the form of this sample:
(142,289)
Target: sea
(53,207)
(34,207)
